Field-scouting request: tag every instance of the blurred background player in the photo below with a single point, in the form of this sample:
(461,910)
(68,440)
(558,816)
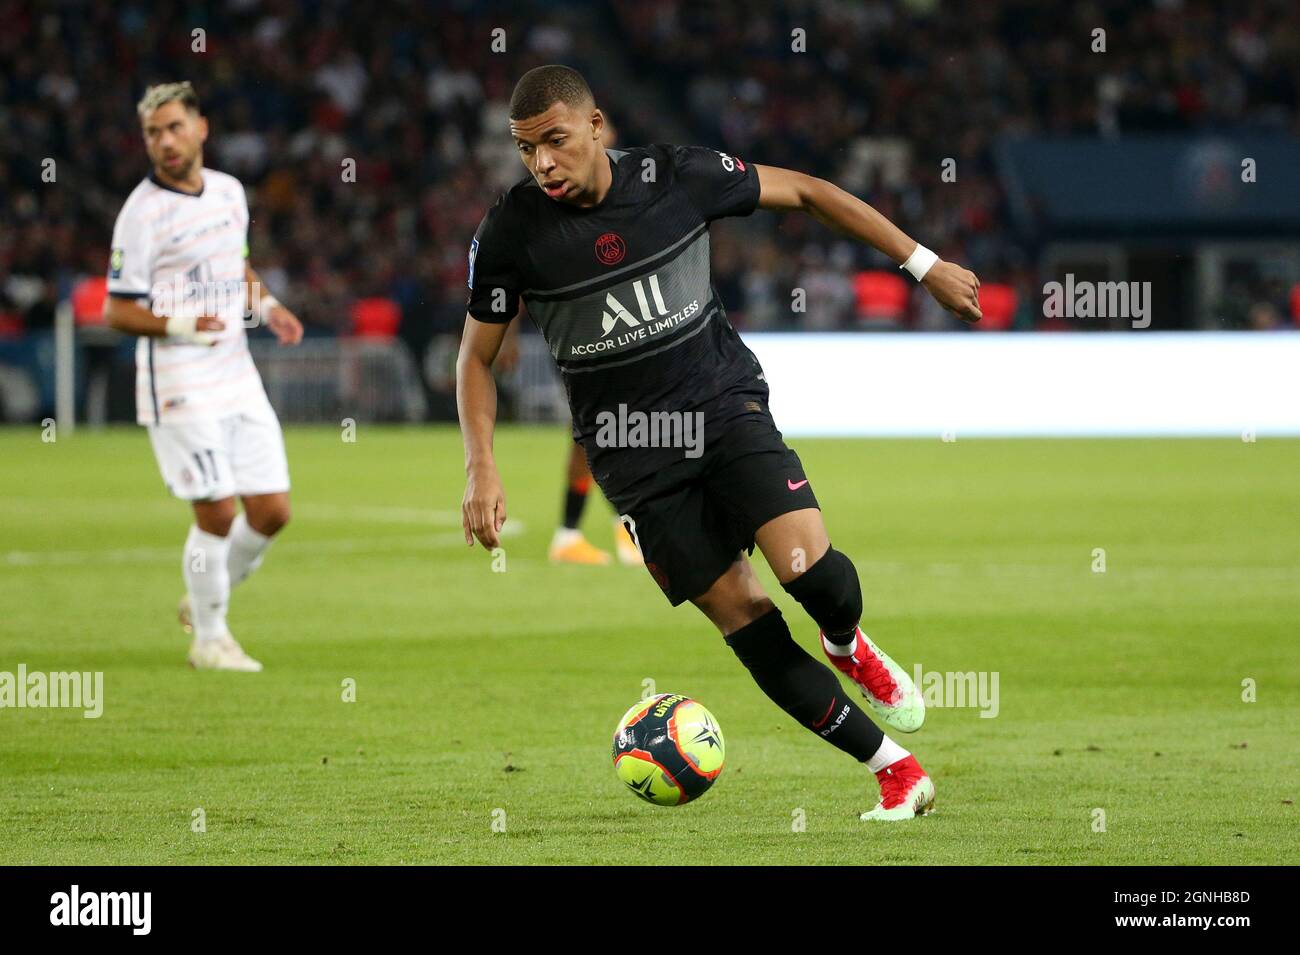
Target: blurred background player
(179,278)
(568,545)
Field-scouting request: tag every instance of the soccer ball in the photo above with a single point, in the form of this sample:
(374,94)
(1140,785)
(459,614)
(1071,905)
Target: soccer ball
(668,749)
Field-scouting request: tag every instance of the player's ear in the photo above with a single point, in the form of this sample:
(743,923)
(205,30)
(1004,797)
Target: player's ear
(203,129)
(597,124)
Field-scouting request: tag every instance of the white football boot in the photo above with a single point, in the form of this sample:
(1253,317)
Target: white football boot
(905,792)
(222,654)
(888,690)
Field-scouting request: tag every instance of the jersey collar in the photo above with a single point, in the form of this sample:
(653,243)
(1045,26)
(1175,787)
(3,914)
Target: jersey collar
(153,177)
(614,156)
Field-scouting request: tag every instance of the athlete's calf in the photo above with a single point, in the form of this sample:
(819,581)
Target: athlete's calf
(757,633)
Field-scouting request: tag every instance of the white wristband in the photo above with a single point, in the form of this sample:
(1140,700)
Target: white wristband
(185,327)
(181,326)
(920,262)
(266,303)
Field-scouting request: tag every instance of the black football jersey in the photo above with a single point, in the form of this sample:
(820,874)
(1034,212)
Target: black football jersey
(622,291)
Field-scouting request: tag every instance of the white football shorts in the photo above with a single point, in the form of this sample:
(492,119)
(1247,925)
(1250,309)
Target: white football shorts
(239,454)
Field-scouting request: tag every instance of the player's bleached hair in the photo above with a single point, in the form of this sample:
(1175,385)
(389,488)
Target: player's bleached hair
(161,93)
(542,87)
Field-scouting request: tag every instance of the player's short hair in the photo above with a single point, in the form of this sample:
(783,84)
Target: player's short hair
(161,93)
(542,87)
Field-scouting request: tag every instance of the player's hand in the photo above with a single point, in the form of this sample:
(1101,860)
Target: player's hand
(956,289)
(483,511)
(285,325)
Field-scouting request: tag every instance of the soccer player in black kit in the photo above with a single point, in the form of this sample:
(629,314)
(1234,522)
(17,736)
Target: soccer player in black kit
(609,249)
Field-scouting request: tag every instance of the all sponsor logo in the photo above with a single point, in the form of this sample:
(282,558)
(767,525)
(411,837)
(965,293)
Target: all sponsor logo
(620,327)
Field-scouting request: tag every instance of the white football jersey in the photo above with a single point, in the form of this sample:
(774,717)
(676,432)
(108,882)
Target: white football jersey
(183,254)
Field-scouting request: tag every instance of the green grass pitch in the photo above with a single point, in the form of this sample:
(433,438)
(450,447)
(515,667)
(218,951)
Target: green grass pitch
(487,697)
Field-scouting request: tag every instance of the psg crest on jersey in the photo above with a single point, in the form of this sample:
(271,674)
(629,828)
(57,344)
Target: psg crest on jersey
(610,248)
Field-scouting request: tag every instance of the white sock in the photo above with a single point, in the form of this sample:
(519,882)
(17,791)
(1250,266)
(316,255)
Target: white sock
(840,649)
(565,535)
(247,547)
(888,754)
(208,580)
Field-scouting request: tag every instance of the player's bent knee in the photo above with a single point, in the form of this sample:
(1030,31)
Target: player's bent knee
(267,518)
(734,599)
(731,608)
(736,615)
(830,592)
(270,522)
(215,517)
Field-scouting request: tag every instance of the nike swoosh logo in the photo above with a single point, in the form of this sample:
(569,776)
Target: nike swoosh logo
(794,487)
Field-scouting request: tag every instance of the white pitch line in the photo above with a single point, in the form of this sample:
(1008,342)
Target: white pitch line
(515,528)
(381,515)
(1129,573)
(28,558)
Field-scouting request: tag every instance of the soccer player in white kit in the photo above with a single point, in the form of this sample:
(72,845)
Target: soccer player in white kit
(179,278)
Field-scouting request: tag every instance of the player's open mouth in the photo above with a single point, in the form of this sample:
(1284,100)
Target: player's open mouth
(556,189)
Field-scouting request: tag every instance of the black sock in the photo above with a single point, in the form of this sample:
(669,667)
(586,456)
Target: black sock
(806,689)
(575,498)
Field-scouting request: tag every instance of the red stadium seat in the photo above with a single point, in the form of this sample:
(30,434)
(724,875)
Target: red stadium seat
(881,298)
(375,318)
(11,325)
(998,304)
(1295,304)
(88,300)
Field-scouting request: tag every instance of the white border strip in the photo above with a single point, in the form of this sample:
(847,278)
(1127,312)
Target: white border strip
(1039,384)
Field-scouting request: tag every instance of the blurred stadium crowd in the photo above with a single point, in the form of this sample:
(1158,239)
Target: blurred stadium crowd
(888,91)
(416,94)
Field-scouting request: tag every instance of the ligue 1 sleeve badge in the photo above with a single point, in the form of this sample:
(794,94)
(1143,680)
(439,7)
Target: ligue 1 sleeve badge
(115,264)
(610,248)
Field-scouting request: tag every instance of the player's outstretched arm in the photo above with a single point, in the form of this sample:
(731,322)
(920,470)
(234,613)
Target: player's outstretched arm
(483,509)
(129,316)
(784,190)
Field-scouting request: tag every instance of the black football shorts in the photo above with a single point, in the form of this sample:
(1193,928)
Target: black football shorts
(692,518)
